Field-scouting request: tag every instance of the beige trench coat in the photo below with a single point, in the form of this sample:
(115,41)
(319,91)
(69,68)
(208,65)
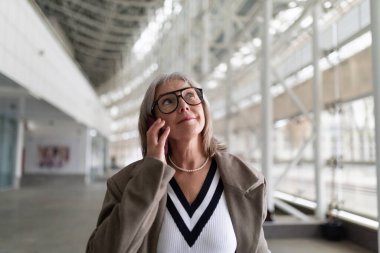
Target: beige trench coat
(135,203)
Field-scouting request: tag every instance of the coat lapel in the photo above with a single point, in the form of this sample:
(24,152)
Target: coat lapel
(245,196)
(156,227)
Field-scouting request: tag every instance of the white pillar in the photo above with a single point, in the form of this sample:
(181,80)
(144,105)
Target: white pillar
(317,104)
(267,104)
(205,39)
(227,43)
(20,142)
(375,28)
(187,35)
(88,159)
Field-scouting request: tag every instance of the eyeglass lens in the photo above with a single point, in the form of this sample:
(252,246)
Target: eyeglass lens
(169,102)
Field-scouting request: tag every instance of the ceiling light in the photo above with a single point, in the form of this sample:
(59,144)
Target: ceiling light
(249,59)
(93,133)
(292,4)
(212,84)
(114,111)
(257,42)
(245,50)
(152,33)
(306,22)
(327,5)
(343,4)
(221,68)
(127,90)
(114,126)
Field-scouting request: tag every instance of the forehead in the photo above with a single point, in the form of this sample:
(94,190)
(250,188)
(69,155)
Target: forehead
(169,86)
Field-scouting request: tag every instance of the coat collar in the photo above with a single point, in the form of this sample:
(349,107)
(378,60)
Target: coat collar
(236,173)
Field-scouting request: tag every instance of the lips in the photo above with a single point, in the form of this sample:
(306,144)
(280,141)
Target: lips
(184,119)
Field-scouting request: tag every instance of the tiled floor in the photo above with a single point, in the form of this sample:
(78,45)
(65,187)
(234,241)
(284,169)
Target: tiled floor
(50,215)
(313,246)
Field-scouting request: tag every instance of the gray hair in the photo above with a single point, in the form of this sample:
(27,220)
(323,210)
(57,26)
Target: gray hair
(210,143)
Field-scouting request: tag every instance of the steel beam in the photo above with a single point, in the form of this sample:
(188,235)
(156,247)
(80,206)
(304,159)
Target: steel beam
(134,3)
(99,51)
(93,43)
(84,19)
(292,210)
(106,27)
(317,104)
(267,103)
(103,12)
(206,37)
(228,31)
(294,161)
(95,34)
(292,95)
(375,28)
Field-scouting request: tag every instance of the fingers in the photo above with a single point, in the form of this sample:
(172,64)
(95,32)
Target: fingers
(153,131)
(156,140)
(164,137)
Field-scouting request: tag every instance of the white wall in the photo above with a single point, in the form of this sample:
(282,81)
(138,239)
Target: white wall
(56,132)
(33,56)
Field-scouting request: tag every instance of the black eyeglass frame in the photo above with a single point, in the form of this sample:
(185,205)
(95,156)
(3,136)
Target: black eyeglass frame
(200,94)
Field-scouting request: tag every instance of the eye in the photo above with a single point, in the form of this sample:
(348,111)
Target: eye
(166,101)
(190,95)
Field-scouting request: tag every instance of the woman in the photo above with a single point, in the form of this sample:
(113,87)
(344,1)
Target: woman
(187,194)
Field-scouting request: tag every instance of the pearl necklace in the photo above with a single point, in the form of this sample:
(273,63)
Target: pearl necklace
(185,170)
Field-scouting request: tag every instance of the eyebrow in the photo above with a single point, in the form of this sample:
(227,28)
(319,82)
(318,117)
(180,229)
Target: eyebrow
(171,92)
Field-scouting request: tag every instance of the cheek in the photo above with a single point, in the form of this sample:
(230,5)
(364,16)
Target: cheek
(168,121)
(202,117)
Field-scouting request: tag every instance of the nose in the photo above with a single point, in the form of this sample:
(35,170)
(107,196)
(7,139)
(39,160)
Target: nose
(182,105)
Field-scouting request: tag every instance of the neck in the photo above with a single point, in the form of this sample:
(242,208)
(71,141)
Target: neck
(188,154)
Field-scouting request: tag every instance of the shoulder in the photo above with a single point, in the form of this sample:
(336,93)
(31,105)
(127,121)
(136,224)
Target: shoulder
(146,166)
(238,172)
(236,162)
(121,178)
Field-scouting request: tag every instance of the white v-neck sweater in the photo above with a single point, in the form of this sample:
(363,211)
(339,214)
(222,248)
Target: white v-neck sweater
(205,226)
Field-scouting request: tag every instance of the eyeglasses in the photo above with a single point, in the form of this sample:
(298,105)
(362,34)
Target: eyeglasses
(168,102)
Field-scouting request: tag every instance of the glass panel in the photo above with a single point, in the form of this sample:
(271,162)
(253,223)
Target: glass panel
(348,155)
(98,145)
(8,135)
(357,178)
(289,138)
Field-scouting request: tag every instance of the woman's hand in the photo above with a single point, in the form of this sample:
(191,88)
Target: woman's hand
(156,141)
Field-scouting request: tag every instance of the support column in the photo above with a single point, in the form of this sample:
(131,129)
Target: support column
(206,39)
(267,104)
(317,104)
(187,34)
(88,156)
(20,143)
(375,28)
(227,44)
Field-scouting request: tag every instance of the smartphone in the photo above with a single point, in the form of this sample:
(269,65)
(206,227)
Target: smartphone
(150,122)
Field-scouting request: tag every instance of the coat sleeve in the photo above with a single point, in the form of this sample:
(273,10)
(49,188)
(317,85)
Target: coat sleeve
(263,245)
(127,214)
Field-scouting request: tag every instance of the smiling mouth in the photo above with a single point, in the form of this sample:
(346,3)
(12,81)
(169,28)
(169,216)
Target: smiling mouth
(185,120)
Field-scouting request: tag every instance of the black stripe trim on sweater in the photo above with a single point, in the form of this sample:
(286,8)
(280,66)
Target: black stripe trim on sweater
(190,209)
(192,236)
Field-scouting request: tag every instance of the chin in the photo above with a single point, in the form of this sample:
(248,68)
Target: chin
(185,133)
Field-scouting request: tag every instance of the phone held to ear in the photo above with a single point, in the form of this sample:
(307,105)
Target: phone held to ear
(150,122)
